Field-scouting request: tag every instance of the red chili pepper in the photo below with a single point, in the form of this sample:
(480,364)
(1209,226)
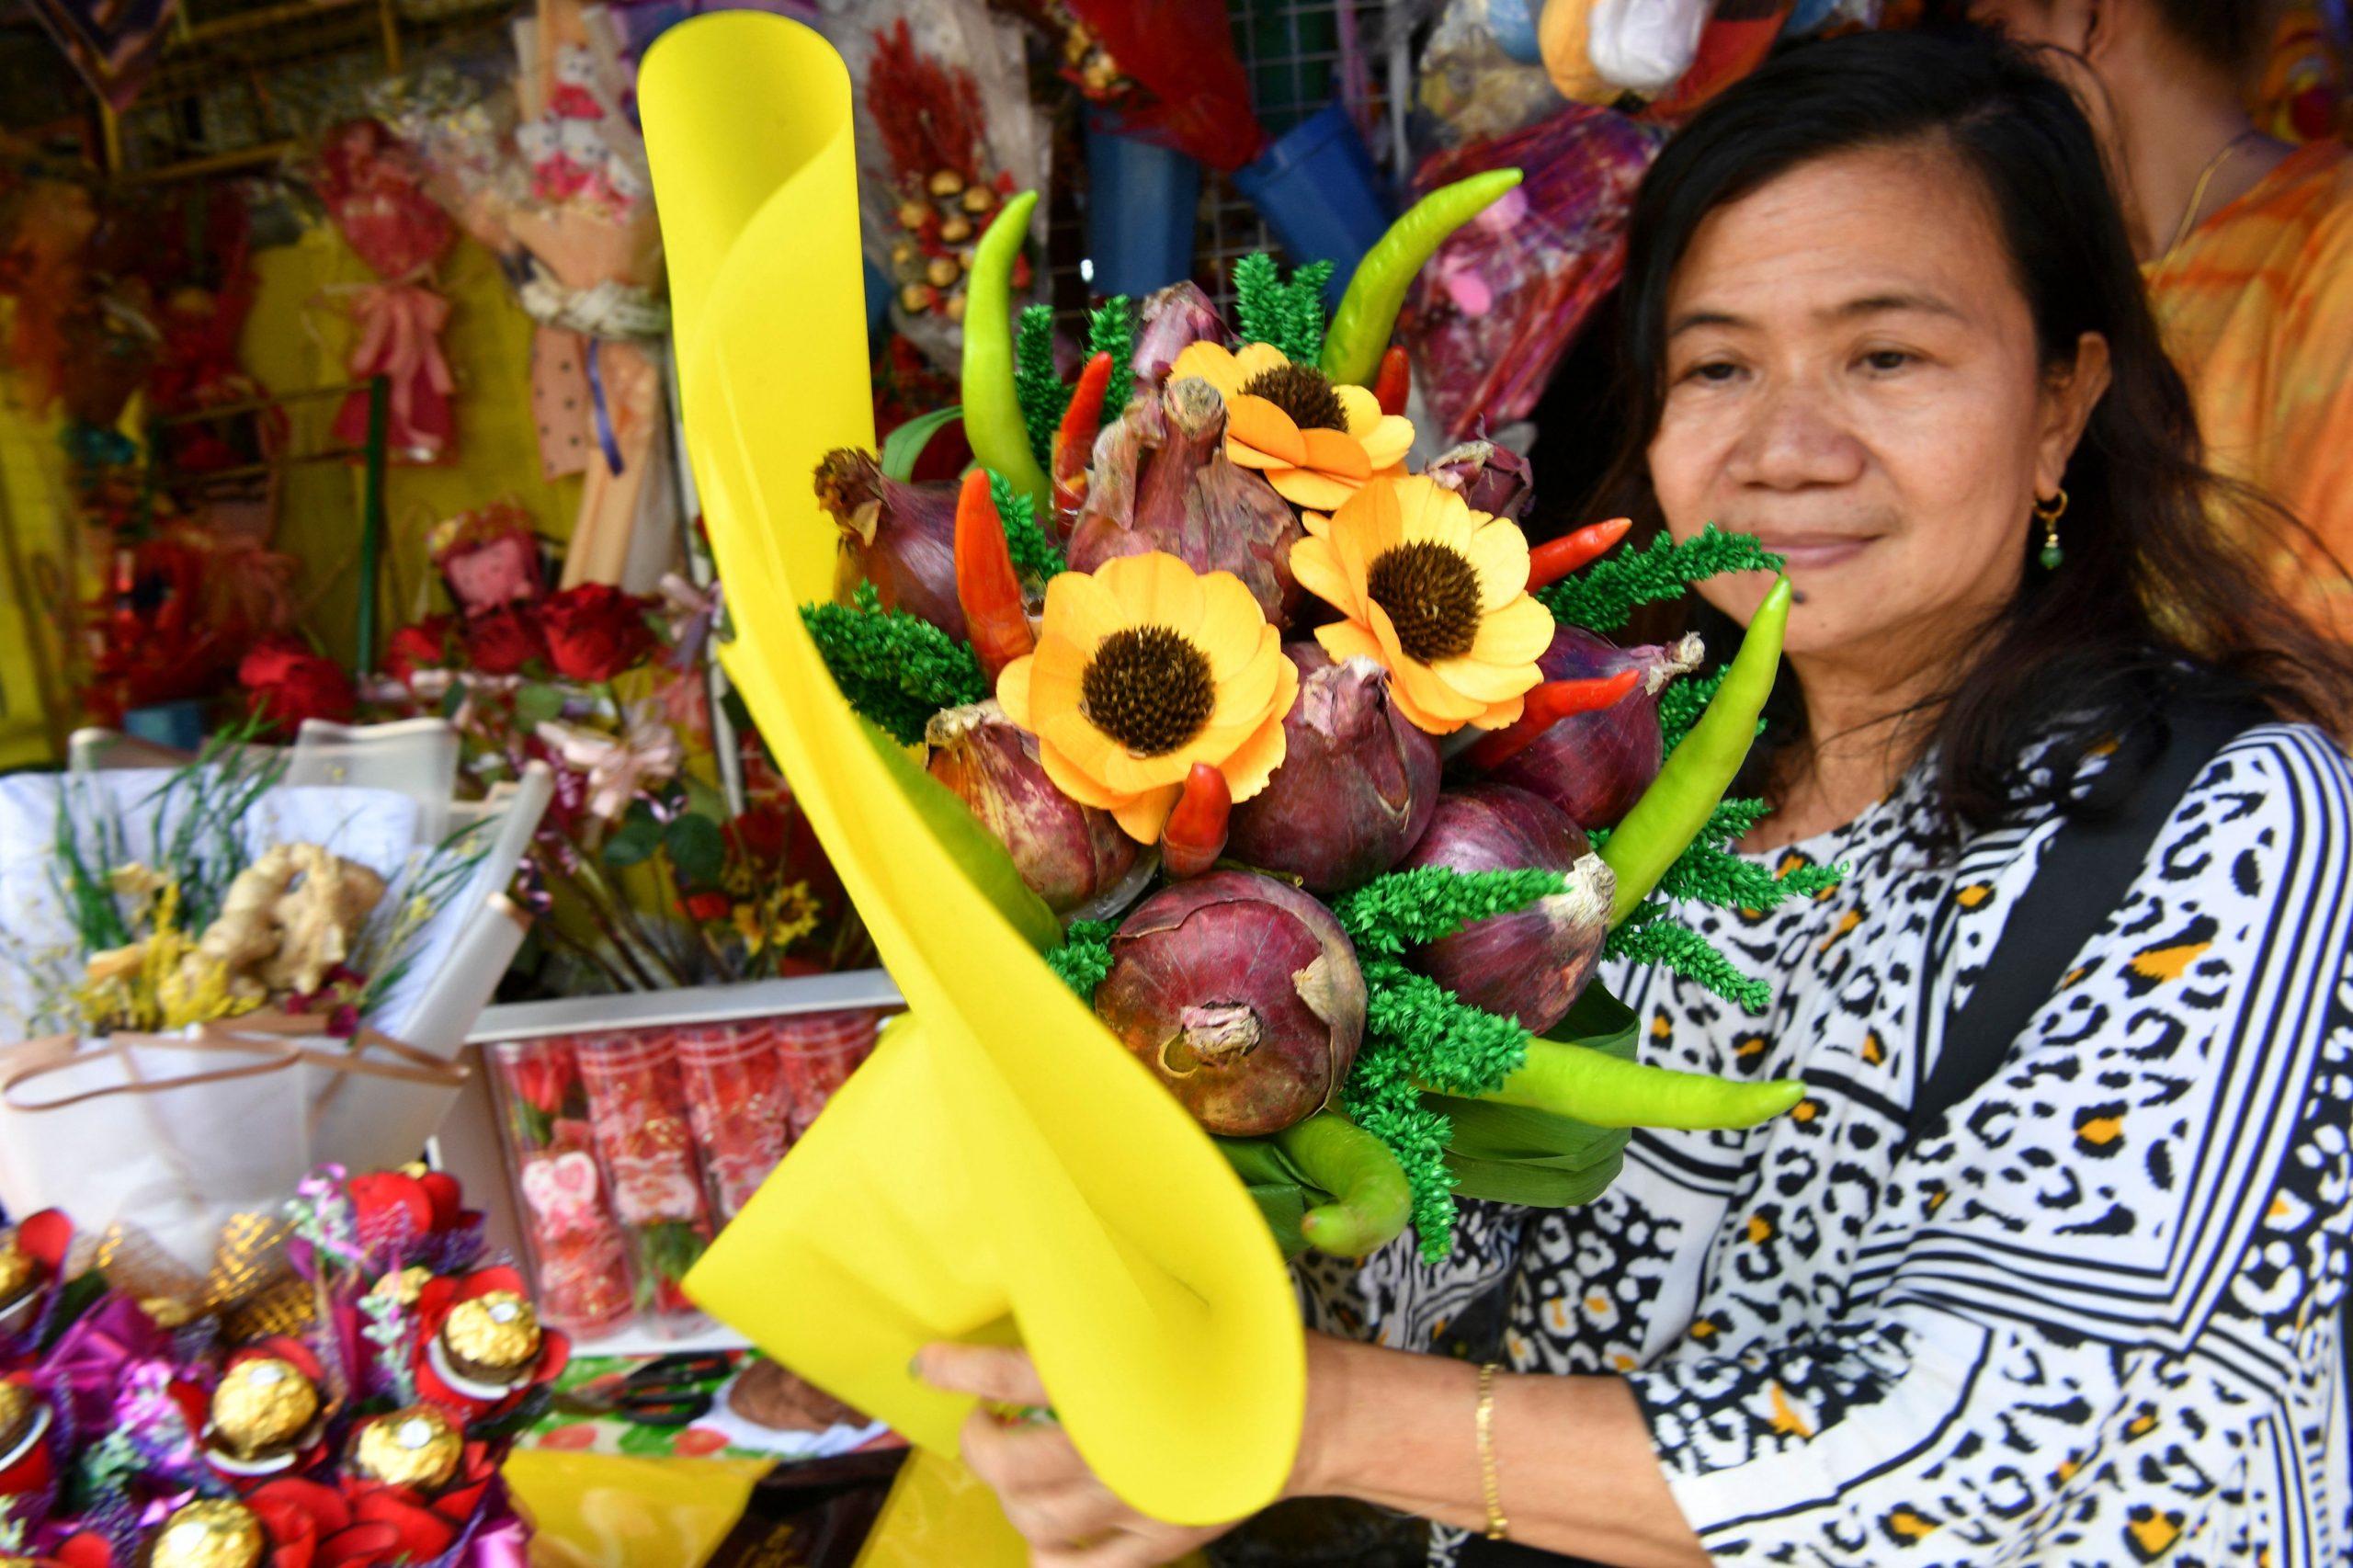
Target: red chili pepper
(1394,383)
(1073,444)
(1547,706)
(1195,834)
(1555,559)
(987,585)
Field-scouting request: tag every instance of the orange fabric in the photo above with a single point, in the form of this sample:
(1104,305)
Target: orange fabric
(2257,310)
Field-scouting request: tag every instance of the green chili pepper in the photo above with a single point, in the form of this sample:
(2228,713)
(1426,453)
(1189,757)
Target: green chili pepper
(1370,1201)
(1693,780)
(1367,313)
(1602,1090)
(993,418)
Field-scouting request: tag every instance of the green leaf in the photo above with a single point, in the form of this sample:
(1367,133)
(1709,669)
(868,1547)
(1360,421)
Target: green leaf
(454,699)
(697,850)
(904,447)
(638,838)
(536,704)
(978,851)
(704,800)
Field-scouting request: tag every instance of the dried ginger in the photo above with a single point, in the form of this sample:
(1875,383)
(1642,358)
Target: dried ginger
(289,918)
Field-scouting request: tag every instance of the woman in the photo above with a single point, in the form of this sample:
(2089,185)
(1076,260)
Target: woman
(1883,314)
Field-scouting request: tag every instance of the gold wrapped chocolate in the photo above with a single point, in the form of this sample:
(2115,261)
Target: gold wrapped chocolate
(262,1404)
(167,1311)
(19,1407)
(417,1447)
(213,1532)
(403,1287)
(18,1270)
(496,1334)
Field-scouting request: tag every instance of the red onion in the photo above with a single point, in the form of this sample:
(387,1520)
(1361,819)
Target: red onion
(1070,854)
(1531,963)
(1491,479)
(1243,995)
(902,538)
(1161,481)
(1357,784)
(1172,320)
(1595,766)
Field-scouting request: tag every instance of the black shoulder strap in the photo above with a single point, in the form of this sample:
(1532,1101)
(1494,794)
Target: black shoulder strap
(2084,874)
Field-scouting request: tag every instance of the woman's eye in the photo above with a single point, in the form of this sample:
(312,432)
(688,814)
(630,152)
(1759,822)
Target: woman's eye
(1887,358)
(1717,371)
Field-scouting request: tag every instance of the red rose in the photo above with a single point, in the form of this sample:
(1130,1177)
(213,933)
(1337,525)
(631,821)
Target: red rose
(424,646)
(596,631)
(707,906)
(758,835)
(501,641)
(287,683)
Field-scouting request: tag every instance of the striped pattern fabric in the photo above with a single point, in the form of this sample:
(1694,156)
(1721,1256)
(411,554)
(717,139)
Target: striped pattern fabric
(2257,310)
(2094,1322)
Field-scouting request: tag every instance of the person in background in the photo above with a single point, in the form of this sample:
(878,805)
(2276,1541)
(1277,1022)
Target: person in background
(2246,244)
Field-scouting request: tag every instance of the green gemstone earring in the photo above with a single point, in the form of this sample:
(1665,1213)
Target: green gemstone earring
(2048,516)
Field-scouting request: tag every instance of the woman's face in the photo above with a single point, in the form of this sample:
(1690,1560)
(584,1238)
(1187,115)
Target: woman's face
(1852,376)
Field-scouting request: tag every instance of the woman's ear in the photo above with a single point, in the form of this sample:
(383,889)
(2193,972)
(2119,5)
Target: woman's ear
(2069,395)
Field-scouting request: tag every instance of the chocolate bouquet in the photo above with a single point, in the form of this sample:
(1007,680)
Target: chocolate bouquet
(1166,592)
(351,1406)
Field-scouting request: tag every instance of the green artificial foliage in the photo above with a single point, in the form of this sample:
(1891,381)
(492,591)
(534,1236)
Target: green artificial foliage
(897,669)
(1409,909)
(1035,556)
(1112,329)
(1651,936)
(1288,315)
(1680,705)
(1605,594)
(1084,957)
(1043,396)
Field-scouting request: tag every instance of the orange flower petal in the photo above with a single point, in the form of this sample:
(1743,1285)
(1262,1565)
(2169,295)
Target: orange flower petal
(1517,634)
(1231,624)
(1258,425)
(1499,552)
(1153,589)
(1427,510)
(1501,716)
(1418,716)
(1254,762)
(1132,775)
(1244,696)
(1080,610)
(1013,691)
(1361,407)
(1485,682)
(1072,780)
(1345,640)
(1241,456)
(1386,443)
(1305,487)
(1054,678)
(1143,818)
(1315,566)
(1212,362)
(1364,527)
(1255,360)
(1431,694)
(1336,453)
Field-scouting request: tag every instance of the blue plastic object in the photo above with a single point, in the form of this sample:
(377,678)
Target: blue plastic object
(1319,193)
(878,301)
(1142,201)
(179,725)
(1514,24)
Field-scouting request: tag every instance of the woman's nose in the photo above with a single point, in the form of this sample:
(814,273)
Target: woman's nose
(1795,439)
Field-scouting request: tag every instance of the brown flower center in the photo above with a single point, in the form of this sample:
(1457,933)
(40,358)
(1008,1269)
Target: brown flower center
(1302,392)
(1148,688)
(1432,595)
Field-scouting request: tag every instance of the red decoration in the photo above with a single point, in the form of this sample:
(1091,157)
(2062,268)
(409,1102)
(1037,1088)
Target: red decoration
(290,683)
(373,187)
(595,632)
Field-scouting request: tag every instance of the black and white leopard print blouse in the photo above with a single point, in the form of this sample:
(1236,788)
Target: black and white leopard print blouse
(2096,1322)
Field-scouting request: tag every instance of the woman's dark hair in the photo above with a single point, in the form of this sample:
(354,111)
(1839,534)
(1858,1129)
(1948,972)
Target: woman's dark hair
(2154,604)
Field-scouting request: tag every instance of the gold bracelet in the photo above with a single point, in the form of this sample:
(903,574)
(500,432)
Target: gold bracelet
(1498,1528)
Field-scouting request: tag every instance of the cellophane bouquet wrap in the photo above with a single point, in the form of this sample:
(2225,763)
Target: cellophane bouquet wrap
(352,1406)
(1237,811)
(220,979)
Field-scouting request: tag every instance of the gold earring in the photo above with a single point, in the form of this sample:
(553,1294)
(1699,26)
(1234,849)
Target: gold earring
(2047,515)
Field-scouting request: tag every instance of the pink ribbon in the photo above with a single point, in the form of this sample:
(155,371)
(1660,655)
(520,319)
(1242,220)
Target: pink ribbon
(618,766)
(400,329)
(504,1545)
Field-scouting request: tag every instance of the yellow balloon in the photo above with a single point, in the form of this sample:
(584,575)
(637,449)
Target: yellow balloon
(1002,1168)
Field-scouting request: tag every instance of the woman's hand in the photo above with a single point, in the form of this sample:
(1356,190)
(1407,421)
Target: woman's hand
(1070,1518)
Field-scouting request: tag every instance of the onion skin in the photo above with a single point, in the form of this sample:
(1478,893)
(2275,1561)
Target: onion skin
(1162,481)
(1532,964)
(1595,766)
(1491,479)
(901,538)
(1067,853)
(1357,785)
(1170,321)
(1242,995)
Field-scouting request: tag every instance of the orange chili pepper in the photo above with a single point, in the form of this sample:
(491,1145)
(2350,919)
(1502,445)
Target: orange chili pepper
(1194,836)
(1073,444)
(1547,706)
(1555,559)
(987,585)
(1394,383)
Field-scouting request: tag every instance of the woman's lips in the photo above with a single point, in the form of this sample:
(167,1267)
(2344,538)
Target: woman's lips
(1813,552)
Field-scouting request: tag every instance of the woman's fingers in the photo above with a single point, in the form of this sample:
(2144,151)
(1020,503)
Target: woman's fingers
(990,1371)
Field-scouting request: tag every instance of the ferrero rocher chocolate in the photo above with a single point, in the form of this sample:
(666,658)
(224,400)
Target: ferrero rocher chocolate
(213,1532)
(404,1285)
(417,1447)
(493,1337)
(19,1271)
(262,1405)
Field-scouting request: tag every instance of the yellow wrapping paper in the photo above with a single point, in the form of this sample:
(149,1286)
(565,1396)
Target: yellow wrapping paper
(1002,1168)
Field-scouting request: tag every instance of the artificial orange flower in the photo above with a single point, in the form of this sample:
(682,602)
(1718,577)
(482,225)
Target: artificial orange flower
(1315,440)
(1434,592)
(1143,669)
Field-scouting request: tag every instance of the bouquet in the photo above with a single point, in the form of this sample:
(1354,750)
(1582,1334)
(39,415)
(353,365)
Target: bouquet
(373,187)
(361,1420)
(1037,1169)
